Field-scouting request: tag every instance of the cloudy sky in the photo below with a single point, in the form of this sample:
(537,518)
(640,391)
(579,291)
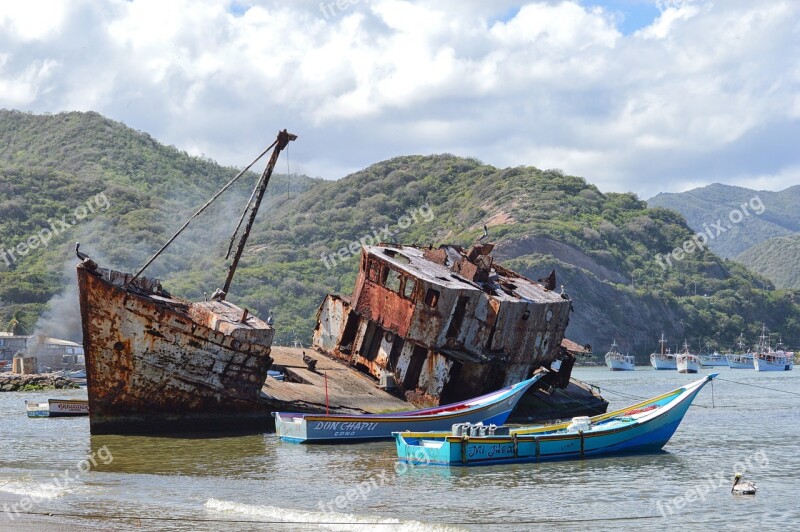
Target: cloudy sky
(639,95)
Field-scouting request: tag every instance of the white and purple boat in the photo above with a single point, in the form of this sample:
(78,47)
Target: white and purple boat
(58,408)
(490,409)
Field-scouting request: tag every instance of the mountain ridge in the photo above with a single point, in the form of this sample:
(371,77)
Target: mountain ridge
(603,246)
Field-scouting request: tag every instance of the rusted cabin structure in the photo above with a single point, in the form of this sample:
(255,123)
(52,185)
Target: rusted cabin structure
(446,322)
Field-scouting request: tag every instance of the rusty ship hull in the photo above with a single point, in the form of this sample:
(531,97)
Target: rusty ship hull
(158,364)
(445,324)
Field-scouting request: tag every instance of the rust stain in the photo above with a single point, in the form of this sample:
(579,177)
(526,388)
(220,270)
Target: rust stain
(479,325)
(151,355)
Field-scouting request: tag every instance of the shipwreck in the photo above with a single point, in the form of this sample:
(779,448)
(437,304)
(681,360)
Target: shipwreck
(443,324)
(440,324)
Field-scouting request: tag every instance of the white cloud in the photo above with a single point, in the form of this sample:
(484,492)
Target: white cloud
(550,83)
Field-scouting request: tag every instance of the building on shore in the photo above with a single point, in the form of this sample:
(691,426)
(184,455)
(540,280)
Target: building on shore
(52,354)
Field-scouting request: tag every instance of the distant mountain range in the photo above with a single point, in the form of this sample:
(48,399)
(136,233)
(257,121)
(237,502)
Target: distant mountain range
(604,247)
(759,228)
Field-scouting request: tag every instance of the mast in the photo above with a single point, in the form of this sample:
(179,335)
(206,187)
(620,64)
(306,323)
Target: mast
(258,194)
(662,342)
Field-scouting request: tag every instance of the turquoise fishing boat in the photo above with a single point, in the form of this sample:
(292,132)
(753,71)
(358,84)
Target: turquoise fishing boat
(494,407)
(642,427)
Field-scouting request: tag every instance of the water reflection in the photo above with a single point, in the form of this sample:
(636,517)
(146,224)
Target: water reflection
(184,456)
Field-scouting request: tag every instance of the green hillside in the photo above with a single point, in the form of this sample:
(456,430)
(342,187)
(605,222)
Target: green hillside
(777,259)
(603,246)
(712,204)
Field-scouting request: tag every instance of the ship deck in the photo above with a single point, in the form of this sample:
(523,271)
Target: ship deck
(348,389)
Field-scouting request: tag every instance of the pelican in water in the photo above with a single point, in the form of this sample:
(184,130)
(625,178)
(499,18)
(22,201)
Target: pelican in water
(742,488)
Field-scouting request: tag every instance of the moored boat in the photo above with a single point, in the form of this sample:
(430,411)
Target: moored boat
(768,359)
(643,427)
(773,361)
(712,359)
(616,361)
(158,363)
(740,361)
(493,408)
(58,408)
(686,361)
(663,360)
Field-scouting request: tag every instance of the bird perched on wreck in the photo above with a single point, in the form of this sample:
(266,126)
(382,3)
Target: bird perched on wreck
(311,363)
(89,263)
(549,282)
(218,294)
(742,488)
(485,233)
(564,295)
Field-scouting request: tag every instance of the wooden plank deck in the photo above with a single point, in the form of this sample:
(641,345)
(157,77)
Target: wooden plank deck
(348,389)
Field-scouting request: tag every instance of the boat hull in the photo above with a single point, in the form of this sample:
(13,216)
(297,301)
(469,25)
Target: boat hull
(631,431)
(688,364)
(663,363)
(492,408)
(58,408)
(620,364)
(740,361)
(151,367)
(774,364)
(713,360)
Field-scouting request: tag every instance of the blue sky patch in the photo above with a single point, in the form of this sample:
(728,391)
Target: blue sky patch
(634,14)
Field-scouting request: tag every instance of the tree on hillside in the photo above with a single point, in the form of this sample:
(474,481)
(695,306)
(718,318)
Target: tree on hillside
(16,326)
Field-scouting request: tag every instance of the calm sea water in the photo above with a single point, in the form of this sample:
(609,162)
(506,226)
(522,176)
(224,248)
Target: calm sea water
(256,482)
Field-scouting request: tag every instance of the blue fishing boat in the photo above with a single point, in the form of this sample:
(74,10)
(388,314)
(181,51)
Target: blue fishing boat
(643,427)
(494,408)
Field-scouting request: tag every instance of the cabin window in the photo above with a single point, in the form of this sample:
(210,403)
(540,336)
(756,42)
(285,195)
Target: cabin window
(374,270)
(392,281)
(458,317)
(432,297)
(408,288)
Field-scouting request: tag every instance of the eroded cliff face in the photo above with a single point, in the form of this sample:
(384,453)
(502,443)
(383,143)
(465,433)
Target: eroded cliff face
(607,306)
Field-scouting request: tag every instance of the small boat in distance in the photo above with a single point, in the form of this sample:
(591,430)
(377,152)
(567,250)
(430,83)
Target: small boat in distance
(493,408)
(768,359)
(642,427)
(616,361)
(58,408)
(663,360)
(774,361)
(713,359)
(686,361)
(739,359)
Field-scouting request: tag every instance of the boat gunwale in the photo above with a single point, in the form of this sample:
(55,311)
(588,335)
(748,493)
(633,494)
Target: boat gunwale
(526,433)
(503,394)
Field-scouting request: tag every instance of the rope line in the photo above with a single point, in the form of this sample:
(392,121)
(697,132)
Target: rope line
(757,386)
